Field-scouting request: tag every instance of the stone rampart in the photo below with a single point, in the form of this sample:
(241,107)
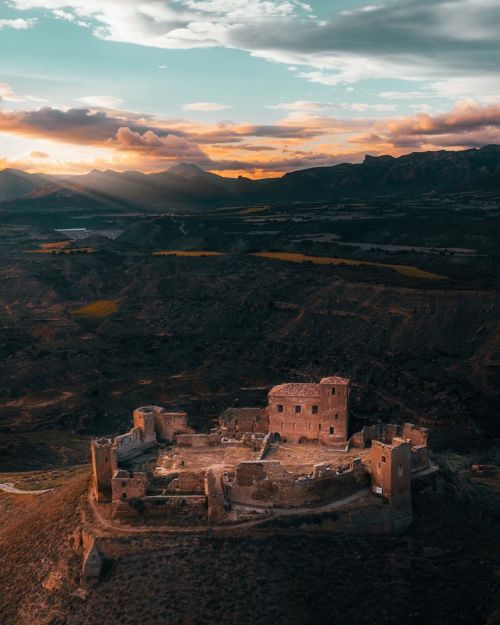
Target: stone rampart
(131,444)
(163,509)
(268,484)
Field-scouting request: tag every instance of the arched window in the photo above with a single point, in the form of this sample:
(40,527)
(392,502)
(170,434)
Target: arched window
(332,430)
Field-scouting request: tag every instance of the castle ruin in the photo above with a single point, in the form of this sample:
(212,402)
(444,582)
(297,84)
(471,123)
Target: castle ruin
(295,453)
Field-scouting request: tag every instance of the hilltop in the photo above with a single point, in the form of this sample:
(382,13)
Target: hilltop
(187,185)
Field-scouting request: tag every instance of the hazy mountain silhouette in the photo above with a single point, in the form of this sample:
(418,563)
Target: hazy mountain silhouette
(187,185)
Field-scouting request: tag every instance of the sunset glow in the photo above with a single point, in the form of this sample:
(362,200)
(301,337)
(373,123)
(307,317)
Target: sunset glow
(118,85)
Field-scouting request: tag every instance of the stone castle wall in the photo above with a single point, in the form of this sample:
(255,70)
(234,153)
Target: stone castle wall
(163,509)
(268,484)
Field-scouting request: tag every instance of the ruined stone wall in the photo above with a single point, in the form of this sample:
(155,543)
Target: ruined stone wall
(266,446)
(417,435)
(188,482)
(235,420)
(215,494)
(197,440)
(420,458)
(126,486)
(170,424)
(269,484)
(131,444)
(162,510)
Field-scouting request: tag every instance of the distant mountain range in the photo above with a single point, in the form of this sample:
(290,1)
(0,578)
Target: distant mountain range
(187,185)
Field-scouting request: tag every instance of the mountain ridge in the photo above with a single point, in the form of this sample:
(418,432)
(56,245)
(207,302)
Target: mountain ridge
(187,184)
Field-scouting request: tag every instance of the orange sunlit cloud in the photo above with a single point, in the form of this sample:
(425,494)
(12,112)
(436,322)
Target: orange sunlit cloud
(83,139)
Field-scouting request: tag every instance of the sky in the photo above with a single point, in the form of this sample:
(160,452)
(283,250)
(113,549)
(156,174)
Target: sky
(243,87)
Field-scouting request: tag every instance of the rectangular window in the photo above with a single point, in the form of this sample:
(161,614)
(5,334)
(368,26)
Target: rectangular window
(336,416)
(279,407)
(314,409)
(383,458)
(319,426)
(298,409)
(124,495)
(333,391)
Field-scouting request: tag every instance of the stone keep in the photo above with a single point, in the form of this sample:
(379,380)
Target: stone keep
(311,411)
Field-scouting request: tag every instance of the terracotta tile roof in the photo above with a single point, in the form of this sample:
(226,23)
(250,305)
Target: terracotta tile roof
(334,379)
(295,390)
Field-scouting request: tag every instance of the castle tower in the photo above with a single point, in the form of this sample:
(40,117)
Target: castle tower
(144,418)
(103,466)
(334,409)
(391,472)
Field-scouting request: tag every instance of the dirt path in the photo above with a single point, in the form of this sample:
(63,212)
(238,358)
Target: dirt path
(9,487)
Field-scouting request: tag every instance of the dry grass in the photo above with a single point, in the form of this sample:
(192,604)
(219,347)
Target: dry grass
(99,309)
(79,250)
(405,270)
(58,245)
(41,480)
(186,253)
(39,572)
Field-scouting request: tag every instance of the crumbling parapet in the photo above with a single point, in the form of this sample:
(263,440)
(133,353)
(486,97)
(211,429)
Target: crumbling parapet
(236,419)
(165,424)
(418,436)
(266,446)
(125,485)
(214,492)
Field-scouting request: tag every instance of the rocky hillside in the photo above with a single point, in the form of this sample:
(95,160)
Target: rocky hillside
(88,337)
(443,571)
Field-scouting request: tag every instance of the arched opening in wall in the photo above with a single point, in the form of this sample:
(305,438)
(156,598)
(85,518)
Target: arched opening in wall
(332,430)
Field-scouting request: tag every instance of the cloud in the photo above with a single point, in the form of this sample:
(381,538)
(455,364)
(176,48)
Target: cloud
(451,44)
(302,105)
(301,139)
(468,124)
(7,94)
(79,126)
(17,24)
(101,101)
(36,154)
(205,106)
(171,146)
